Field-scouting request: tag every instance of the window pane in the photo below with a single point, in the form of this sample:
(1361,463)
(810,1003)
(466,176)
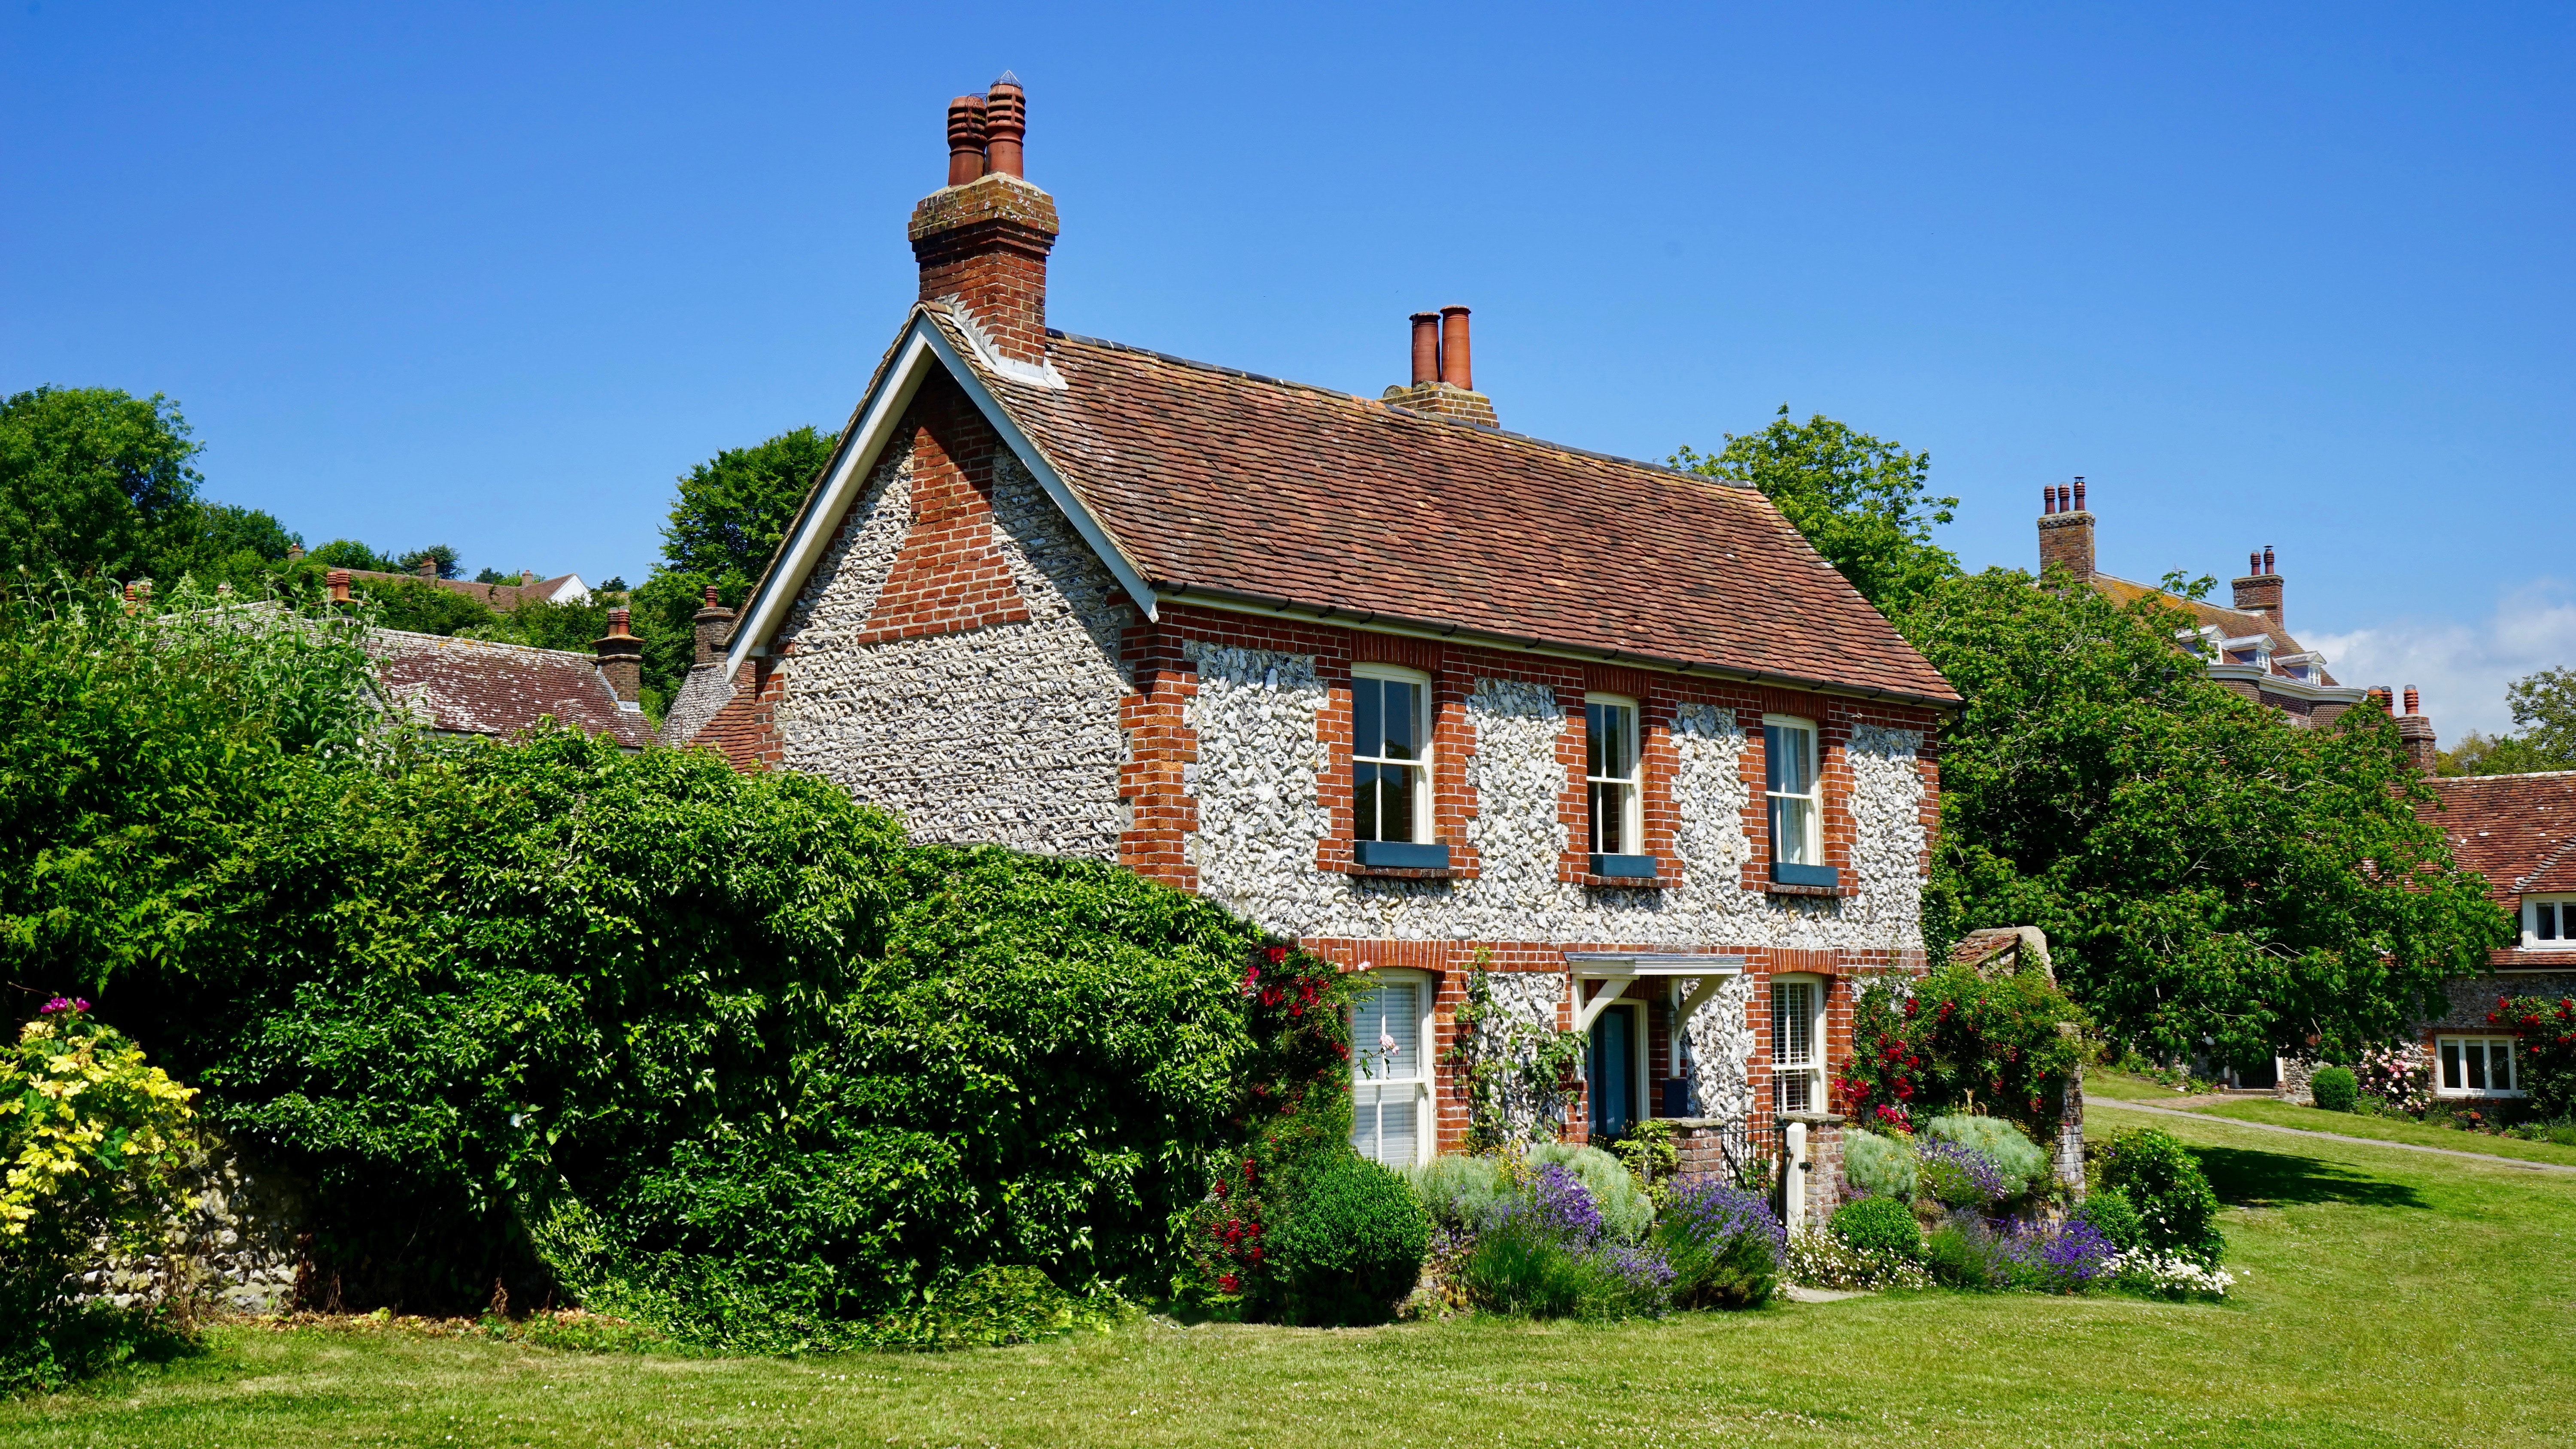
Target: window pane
(1395,785)
(1785,765)
(1593,729)
(1396,1111)
(1403,708)
(1399,1020)
(1610,819)
(1789,817)
(2450,1066)
(2500,1065)
(1364,801)
(2477,1066)
(1365,704)
(1617,727)
(1792,1024)
(2545,919)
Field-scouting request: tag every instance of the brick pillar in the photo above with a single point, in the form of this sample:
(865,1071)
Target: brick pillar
(1824,1163)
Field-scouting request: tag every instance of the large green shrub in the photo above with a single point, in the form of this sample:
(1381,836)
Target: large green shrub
(2020,1160)
(2176,1208)
(2335,1088)
(1349,1245)
(1879,1164)
(1625,1210)
(1879,1226)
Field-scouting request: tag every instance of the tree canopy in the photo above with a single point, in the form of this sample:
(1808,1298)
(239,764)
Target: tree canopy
(93,481)
(1866,505)
(2209,875)
(726,522)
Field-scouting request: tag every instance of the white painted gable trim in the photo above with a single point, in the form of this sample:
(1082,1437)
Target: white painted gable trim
(922,348)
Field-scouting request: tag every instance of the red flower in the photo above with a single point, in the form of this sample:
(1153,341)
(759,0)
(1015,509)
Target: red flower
(1228,1283)
(1276,954)
(1253,1253)
(1223,1187)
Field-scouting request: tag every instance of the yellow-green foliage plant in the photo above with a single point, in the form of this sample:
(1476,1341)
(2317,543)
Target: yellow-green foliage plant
(90,1136)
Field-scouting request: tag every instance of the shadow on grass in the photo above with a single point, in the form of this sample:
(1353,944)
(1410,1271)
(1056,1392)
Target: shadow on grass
(2245,1178)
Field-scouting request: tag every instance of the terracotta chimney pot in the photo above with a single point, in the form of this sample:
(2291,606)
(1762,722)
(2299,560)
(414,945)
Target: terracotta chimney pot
(965,139)
(1006,121)
(339,582)
(2079,493)
(2047,499)
(1426,348)
(1457,365)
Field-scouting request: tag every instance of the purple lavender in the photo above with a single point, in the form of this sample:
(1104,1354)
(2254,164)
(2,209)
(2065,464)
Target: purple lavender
(1642,1269)
(1961,1176)
(1714,1212)
(2068,1258)
(1560,1207)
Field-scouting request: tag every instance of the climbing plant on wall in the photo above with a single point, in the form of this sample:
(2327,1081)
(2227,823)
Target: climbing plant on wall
(1516,1073)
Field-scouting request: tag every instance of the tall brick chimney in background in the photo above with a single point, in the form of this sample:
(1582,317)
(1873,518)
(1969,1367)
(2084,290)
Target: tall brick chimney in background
(2259,591)
(2066,531)
(982,240)
(1444,371)
(2416,729)
(714,622)
(621,658)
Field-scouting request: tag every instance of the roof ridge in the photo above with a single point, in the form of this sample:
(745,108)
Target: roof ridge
(2521,881)
(484,643)
(1381,404)
(2505,775)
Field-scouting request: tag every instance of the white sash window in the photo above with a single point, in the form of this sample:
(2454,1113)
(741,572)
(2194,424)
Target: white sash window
(2476,1066)
(1391,1118)
(1797,1044)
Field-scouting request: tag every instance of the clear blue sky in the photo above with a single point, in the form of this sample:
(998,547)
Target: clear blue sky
(493,275)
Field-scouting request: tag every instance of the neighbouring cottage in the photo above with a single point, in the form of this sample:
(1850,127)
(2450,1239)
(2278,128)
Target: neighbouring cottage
(475,687)
(1416,691)
(499,598)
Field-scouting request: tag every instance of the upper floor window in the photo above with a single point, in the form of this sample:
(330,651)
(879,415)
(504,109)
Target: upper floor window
(1789,779)
(2549,923)
(2476,1066)
(1610,774)
(1390,753)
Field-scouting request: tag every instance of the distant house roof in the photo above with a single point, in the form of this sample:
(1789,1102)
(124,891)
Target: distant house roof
(1198,482)
(475,687)
(500,598)
(2231,623)
(2519,831)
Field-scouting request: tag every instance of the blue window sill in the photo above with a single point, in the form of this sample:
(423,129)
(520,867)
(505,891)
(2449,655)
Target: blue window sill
(1626,865)
(1400,855)
(1805,875)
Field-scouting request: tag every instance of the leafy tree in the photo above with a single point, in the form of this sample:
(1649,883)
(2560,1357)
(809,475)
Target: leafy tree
(92,480)
(731,512)
(495,576)
(423,607)
(1865,505)
(2544,713)
(2209,875)
(348,553)
(547,624)
(445,557)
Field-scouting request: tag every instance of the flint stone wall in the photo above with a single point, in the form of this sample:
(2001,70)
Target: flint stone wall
(1261,820)
(233,1238)
(1006,734)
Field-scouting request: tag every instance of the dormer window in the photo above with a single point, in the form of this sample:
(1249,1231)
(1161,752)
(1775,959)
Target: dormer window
(2549,923)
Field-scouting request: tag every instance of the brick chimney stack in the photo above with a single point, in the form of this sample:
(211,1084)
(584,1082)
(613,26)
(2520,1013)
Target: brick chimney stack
(2416,729)
(715,624)
(982,240)
(621,658)
(2066,531)
(338,579)
(427,568)
(1444,371)
(2259,591)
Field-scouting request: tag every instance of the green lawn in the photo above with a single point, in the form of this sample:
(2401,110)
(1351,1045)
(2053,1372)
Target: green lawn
(2389,1129)
(2391,1298)
(2123,1087)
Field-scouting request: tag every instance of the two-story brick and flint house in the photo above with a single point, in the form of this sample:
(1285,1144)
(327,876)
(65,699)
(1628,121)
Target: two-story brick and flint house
(1373,672)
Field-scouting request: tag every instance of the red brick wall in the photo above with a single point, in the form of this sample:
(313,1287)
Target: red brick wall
(950,575)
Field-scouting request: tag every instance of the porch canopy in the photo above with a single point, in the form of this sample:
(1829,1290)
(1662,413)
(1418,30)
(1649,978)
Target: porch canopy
(1615,970)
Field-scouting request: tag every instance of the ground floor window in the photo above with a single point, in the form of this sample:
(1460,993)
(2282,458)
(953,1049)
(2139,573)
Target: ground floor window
(1797,1044)
(1391,1119)
(2476,1066)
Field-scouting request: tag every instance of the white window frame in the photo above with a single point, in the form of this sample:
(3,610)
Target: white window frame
(1371,1090)
(1638,1077)
(2562,913)
(1811,849)
(2461,1043)
(1784,1070)
(1421,766)
(1632,785)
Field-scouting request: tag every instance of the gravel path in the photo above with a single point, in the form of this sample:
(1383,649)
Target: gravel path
(2092,1103)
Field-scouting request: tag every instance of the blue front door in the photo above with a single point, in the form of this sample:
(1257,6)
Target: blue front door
(1610,1075)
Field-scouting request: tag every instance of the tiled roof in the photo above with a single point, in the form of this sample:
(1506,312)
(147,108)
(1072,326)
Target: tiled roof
(2230,623)
(2516,830)
(473,686)
(499,598)
(1223,481)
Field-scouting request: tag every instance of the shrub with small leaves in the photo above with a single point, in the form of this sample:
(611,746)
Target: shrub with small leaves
(2334,1089)
(1879,1225)
(2109,1212)
(2176,1207)
(1880,1164)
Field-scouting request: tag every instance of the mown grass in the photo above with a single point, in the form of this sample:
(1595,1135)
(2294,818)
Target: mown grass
(2390,1129)
(2127,1087)
(2391,1298)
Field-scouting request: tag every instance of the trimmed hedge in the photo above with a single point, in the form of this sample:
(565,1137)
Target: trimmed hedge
(1350,1245)
(2335,1089)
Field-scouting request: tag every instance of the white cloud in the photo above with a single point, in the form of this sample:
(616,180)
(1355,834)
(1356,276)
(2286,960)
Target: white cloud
(2462,668)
